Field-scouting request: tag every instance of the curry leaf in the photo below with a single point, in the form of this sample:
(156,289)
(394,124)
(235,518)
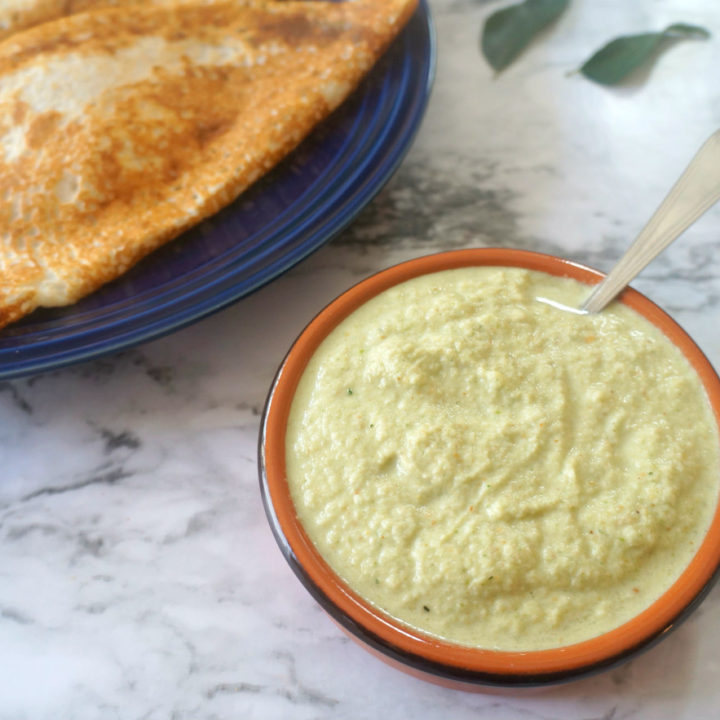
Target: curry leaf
(507,32)
(616,60)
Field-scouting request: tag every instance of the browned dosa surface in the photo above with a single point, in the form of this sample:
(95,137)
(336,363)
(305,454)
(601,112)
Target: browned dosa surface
(119,130)
(16,15)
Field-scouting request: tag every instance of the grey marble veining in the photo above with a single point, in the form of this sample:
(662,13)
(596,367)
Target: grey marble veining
(138,576)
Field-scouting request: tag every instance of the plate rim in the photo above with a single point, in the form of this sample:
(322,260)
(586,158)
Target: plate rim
(221,300)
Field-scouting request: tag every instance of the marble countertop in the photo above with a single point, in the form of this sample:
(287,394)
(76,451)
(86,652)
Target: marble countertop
(138,575)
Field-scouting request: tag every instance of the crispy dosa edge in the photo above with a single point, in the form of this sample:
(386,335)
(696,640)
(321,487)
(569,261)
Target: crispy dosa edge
(30,13)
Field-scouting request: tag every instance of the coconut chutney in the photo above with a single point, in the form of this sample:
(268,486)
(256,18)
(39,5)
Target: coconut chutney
(497,472)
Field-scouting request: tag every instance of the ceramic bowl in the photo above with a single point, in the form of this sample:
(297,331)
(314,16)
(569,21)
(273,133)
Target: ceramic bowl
(422,655)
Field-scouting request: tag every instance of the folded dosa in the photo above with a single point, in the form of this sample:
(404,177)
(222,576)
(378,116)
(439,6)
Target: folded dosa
(119,130)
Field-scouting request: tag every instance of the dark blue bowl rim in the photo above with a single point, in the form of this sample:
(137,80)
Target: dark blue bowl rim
(50,353)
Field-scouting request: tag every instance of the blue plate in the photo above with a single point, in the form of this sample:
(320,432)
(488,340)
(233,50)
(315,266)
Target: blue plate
(290,213)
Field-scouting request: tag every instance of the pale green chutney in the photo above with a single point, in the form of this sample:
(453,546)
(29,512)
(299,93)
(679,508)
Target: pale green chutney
(495,471)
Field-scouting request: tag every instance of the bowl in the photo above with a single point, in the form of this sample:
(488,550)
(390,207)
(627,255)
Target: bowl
(427,656)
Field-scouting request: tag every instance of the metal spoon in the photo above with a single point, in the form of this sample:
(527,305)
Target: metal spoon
(697,190)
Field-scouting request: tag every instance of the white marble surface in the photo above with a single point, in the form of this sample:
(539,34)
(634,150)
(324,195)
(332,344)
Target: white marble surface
(138,576)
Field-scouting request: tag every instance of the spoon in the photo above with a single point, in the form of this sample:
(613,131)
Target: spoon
(695,192)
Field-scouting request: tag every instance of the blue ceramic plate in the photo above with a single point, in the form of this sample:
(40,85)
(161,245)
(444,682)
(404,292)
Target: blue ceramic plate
(294,210)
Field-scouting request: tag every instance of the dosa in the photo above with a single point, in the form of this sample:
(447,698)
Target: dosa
(120,129)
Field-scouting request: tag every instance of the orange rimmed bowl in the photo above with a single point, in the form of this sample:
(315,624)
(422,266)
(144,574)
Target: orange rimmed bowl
(426,656)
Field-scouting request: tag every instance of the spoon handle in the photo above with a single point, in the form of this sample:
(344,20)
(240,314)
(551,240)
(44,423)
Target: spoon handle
(697,190)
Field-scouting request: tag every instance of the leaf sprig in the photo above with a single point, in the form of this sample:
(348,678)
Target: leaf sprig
(613,62)
(508,31)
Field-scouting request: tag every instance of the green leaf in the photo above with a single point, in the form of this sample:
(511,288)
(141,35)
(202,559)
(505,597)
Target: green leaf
(507,32)
(616,60)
